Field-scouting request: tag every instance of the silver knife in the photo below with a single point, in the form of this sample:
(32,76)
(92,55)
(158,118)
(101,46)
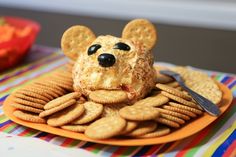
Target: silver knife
(206,104)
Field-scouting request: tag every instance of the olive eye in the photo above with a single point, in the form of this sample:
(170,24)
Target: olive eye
(121,46)
(93,49)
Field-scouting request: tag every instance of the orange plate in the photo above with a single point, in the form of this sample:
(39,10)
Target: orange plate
(185,131)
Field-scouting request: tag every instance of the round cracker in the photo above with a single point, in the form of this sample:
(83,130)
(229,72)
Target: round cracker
(180,100)
(181,89)
(162,78)
(108,96)
(106,127)
(75,40)
(28,103)
(173,91)
(139,113)
(45,83)
(153,101)
(160,131)
(194,110)
(176,114)
(60,100)
(112,109)
(178,110)
(38,92)
(201,83)
(63,85)
(172,118)
(141,30)
(173,84)
(66,116)
(167,122)
(75,128)
(92,111)
(62,80)
(26,108)
(131,125)
(33,94)
(27,116)
(57,108)
(47,89)
(29,98)
(143,128)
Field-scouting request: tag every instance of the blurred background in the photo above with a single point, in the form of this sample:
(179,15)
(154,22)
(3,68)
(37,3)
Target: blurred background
(200,33)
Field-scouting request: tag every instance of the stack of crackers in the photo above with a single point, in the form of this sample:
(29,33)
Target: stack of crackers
(107,113)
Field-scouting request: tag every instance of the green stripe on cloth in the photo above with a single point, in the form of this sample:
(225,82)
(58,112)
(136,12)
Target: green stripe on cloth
(74,143)
(97,148)
(10,128)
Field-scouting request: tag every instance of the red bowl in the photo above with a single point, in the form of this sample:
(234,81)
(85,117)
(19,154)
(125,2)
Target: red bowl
(12,51)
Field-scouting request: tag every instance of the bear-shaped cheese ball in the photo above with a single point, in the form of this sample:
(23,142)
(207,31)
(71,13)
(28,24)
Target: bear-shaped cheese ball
(112,63)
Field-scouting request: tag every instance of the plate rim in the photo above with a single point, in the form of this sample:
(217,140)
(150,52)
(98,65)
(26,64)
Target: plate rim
(206,119)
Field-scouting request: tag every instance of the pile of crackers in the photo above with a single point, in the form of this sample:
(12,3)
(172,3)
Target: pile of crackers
(106,113)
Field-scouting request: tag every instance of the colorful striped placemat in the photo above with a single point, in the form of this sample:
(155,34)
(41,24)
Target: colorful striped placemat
(218,139)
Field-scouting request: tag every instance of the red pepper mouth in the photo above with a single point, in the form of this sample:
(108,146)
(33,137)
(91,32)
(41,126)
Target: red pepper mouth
(130,91)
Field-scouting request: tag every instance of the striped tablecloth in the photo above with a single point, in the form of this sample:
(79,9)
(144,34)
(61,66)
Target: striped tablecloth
(218,139)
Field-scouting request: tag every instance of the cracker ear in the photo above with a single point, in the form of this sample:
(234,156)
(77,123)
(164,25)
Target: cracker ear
(142,31)
(75,40)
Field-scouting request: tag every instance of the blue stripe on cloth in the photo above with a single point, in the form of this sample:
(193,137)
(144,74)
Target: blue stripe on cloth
(225,79)
(41,134)
(220,77)
(3,98)
(232,84)
(143,150)
(223,147)
(5,123)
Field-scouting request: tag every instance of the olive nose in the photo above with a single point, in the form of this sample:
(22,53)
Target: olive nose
(106,60)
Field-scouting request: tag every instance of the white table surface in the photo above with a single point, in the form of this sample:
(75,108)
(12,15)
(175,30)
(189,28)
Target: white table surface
(16,146)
